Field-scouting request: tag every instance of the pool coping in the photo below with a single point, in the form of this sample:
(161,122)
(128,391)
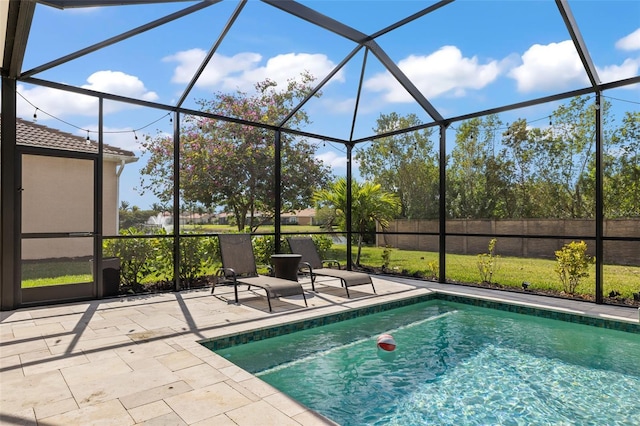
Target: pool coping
(555,313)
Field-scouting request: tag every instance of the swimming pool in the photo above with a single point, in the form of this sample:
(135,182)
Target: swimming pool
(454,364)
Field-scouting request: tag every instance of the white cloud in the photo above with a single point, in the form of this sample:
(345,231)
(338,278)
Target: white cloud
(242,71)
(629,42)
(338,107)
(549,67)
(60,103)
(629,68)
(189,61)
(55,102)
(445,71)
(337,163)
(119,83)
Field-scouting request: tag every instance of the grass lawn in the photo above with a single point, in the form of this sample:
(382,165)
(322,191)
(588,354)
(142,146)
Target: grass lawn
(46,273)
(214,229)
(510,271)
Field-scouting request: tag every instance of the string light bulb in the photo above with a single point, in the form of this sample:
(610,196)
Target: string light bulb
(35,115)
(88,139)
(134,135)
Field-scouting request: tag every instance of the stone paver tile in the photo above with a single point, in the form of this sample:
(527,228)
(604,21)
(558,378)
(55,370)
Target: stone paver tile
(101,354)
(73,326)
(171,419)
(10,362)
(144,363)
(44,361)
(10,370)
(179,360)
(157,320)
(149,411)
(311,418)
(235,373)
(33,391)
(203,403)
(260,413)
(219,420)
(63,344)
(52,311)
(55,408)
(96,370)
(151,395)
(15,316)
(123,313)
(259,387)
(108,331)
(18,347)
(145,350)
(117,322)
(130,328)
(25,417)
(243,390)
(6,332)
(286,404)
(151,335)
(117,385)
(201,375)
(105,413)
(26,331)
(70,318)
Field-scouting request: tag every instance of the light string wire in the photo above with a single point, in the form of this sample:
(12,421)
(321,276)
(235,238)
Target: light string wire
(549,117)
(333,146)
(88,130)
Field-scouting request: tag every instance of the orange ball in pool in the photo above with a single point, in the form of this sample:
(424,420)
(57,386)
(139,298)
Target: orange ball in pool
(386,342)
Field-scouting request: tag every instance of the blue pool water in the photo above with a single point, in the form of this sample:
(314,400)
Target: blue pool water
(455,364)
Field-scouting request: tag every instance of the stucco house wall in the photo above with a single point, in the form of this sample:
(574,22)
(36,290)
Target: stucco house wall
(57,192)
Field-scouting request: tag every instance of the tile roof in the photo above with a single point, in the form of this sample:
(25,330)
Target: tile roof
(32,134)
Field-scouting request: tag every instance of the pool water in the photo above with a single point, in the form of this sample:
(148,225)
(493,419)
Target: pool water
(454,364)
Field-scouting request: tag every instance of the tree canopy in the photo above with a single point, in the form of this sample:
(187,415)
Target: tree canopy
(516,171)
(370,205)
(405,164)
(230,165)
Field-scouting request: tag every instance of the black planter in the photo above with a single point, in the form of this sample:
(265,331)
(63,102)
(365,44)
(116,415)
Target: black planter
(110,276)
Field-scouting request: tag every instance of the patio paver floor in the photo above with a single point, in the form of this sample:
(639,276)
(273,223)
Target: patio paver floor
(136,361)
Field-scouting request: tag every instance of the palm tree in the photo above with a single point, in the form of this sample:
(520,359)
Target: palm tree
(369,205)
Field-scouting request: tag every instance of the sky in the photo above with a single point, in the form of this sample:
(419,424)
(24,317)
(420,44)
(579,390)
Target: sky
(468,56)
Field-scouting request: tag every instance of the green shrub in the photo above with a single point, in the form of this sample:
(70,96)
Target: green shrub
(197,254)
(323,244)
(488,262)
(137,256)
(433,269)
(264,246)
(572,265)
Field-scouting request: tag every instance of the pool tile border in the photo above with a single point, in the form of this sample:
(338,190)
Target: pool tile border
(279,330)
(282,329)
(549,313)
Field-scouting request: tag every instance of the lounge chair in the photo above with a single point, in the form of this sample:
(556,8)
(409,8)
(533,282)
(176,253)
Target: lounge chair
(314,265)
(239,267)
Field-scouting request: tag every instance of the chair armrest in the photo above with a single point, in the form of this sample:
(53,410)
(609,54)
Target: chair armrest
(305,266)
(331,262)
(226,273)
